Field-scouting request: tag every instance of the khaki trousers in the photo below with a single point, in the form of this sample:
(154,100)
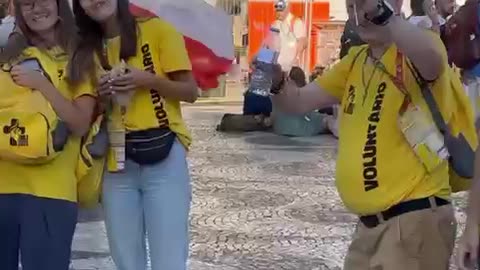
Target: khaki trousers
(419,240)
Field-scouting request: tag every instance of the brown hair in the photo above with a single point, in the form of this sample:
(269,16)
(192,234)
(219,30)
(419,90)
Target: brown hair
(92,36)
(298,76)
(65,36)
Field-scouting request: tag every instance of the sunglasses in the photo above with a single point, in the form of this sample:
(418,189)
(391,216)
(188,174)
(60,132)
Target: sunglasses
(280,6)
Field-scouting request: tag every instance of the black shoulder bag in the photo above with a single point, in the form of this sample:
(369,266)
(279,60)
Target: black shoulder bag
(462,156)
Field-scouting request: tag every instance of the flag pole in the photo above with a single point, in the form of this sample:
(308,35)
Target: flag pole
(308,25)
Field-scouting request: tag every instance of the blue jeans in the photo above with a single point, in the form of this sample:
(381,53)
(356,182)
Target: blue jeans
(254,105)
(39,229)
(149,202)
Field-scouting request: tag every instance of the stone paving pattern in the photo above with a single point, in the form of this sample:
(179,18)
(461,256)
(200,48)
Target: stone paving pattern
(260,202)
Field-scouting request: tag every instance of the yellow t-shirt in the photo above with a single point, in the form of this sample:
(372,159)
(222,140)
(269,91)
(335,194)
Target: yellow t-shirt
(56,179)
(161,49)
(376,167)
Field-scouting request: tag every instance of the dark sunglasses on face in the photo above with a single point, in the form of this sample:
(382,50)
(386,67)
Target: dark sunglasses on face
(280,6)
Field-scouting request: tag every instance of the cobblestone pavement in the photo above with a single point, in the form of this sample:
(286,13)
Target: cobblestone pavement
(260,202)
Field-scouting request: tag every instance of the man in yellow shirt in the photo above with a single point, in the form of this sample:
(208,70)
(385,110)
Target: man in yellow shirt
(406,219)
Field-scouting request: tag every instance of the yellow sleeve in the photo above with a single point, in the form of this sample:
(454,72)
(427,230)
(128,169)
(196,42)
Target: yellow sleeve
(444,87)
(172,51)
(440,46)
(334,80)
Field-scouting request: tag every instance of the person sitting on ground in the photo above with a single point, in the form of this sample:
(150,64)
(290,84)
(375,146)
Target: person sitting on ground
(255,115)
(295,125)
(257,110)
(293,40)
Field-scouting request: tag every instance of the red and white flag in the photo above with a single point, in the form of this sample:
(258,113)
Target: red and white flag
(207,32)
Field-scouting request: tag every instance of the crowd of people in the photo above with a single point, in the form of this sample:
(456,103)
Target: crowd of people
(90,110)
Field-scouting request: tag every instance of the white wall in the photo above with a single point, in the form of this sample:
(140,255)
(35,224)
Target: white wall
(338,10)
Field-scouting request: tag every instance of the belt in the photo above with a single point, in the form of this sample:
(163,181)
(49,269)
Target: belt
(373,221)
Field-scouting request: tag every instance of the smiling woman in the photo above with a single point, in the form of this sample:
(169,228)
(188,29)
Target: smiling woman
(38,204)
(152,192)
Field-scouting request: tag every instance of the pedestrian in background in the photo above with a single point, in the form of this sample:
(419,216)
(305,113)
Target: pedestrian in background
(293,36)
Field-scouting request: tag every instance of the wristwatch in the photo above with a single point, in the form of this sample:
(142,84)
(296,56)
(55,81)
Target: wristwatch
(383,14)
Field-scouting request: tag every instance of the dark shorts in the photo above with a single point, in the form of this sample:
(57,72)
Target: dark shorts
(255,105)
(39,229)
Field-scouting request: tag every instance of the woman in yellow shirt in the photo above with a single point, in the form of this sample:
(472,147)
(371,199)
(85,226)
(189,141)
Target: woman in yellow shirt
(151,196)
(38,210)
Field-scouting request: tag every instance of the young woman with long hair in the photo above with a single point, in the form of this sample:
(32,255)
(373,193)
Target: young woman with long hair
(38,209)
(150,198)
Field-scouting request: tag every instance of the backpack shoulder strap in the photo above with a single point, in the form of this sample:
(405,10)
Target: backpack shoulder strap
(429,99)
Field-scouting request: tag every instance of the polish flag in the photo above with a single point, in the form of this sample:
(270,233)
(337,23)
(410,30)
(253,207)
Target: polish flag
(207,31)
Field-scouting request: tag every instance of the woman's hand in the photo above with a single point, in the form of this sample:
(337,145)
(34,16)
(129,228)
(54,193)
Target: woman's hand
(131,80)
(29,78)
(77,113)
(104,85)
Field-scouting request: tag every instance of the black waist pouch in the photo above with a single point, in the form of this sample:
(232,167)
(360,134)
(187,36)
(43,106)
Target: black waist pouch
(151,146)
